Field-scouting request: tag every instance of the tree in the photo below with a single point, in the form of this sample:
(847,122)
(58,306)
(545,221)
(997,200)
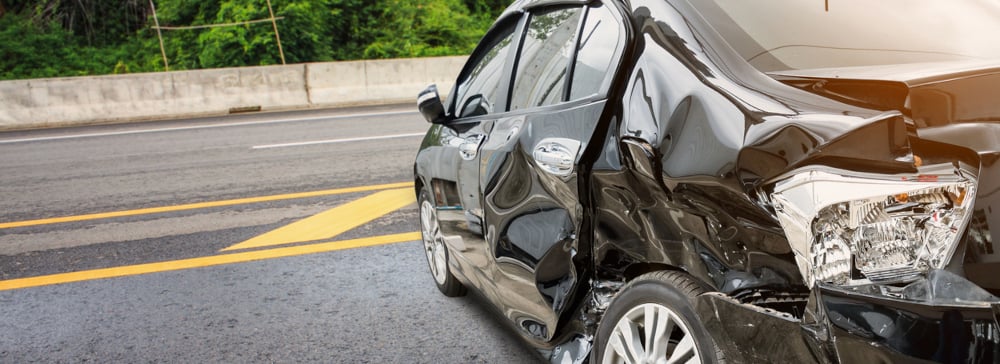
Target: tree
(419,28)
(48,38)
(98,22)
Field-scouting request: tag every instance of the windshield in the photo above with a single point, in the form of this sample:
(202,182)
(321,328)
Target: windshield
(780,35)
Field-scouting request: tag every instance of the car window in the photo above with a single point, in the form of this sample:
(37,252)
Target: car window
(478,92)
(542,67)
(599,43)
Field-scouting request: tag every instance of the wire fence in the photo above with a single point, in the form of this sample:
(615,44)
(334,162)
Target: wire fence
(160,28)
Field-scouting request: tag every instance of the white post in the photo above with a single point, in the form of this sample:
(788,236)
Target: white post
(276,36)
(163,51)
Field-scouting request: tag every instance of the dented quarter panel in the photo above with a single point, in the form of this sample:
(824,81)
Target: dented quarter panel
(715,152)
(711,148)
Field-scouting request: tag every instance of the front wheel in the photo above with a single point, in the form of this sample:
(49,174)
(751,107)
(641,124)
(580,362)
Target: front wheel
(652,320)
(435,250)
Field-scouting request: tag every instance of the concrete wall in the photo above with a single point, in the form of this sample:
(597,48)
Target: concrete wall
(39,103)
(369,82)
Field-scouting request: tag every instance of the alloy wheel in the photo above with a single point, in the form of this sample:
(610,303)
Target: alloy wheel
(434,248)
(651,334)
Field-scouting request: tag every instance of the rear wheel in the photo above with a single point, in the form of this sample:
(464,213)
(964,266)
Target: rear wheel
(652,320)
(435,250)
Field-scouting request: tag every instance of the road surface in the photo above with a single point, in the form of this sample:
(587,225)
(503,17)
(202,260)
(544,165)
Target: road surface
(269,237)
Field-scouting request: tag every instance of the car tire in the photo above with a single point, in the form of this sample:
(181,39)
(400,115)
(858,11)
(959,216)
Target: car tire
(665,299)
(435,250)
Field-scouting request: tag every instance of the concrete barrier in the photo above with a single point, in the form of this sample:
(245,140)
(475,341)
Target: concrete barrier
(367,82)
(39,103)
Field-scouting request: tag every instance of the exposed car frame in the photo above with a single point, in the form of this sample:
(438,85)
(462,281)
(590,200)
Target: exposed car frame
(747,199)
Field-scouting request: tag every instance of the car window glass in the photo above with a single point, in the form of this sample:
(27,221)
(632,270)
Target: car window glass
(479,91)
(599,41)
(541,72)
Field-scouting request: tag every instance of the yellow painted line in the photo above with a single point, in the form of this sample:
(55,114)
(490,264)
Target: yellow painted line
(200,205)
(132,270)
(333,222)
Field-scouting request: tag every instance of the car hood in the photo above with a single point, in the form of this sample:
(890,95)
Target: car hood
(932,94)
(950,102)
(957,104)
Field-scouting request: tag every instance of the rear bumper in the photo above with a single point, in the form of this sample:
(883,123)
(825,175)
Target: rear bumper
(865,327)
(841,326)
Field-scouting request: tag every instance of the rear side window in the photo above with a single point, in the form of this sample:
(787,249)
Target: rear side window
(599,42)
(542,67)
(478,93)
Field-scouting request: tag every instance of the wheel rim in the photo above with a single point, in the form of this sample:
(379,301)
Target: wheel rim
(651,333)
(437,258)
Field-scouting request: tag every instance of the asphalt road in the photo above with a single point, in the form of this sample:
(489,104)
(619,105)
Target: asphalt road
(185,241)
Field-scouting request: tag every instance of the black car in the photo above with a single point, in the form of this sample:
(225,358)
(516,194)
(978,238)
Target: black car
(670,181)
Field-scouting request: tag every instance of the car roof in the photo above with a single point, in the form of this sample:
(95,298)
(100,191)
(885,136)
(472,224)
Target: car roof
(521,5)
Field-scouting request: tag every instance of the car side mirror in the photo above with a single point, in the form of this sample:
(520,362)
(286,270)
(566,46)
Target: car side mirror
(429,103)
(475,106)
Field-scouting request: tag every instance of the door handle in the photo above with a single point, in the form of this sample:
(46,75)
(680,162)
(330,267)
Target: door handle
(556,155)
(556,158)
(470,147)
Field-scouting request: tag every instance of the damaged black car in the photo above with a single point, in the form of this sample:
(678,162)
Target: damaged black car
(664,181)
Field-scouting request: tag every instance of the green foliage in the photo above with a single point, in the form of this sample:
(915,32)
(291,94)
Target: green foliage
(418,28)
(97,22)
(28,50)
(304,31)
(50,38)
(489,8)
(351,28)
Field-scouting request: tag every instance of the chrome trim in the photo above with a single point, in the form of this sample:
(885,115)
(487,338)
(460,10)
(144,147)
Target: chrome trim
(556,155)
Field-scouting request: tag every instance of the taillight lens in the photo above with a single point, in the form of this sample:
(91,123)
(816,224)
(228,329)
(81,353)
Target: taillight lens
(852,228)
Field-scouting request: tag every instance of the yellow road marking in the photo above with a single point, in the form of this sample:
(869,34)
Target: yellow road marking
(201,205)
(333,222)
(132,270)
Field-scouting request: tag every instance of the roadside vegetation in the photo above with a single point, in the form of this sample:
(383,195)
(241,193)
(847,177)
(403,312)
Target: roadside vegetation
(56,38)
